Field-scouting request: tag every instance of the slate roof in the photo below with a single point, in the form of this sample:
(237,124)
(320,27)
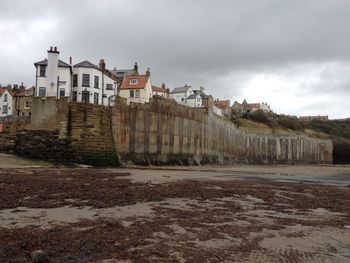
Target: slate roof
(193,96)
(61,63)
(86,64)
(180,89)
(123,72)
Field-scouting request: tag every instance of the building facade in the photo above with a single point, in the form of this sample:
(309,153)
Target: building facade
(83,82)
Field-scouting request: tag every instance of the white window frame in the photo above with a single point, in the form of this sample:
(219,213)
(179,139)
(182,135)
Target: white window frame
(133,81)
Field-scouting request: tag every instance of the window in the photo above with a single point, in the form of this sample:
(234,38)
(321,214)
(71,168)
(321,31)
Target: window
(4,109)
(109,86)
(85,96)
(42,71)
(96,82)
(62,93)
(75,80)
(198,99)
(86,80)
(182,99)
(137,93)
(133,81)
(5,97)
(74,96)
(26,104)
(95,97)
(42,91)
(132,93)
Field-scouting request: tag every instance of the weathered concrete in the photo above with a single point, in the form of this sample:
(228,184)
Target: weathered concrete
(165,132)
(162,132)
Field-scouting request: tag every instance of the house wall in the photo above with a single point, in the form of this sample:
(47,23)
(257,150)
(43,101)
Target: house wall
(8,103)
(51,91)
(195,103)
(145,94)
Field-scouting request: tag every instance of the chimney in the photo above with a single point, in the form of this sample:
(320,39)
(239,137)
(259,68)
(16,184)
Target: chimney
(102,64)
(70,60)
(52,71)
(148,72)
(136,67)
(53,50)
(163,85)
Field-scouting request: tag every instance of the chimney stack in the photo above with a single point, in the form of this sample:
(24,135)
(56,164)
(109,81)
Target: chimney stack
(136,68)
(102,64)
(70,60)
(148,72)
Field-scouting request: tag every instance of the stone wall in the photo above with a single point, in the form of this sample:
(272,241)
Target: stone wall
(161,132)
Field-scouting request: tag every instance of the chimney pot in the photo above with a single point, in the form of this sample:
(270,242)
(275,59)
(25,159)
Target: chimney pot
(55,48)
(51,48)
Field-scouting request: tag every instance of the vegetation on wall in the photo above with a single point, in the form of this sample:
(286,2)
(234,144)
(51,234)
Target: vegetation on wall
(336,130)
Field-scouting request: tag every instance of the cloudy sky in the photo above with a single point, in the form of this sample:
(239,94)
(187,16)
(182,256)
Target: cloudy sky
(292,54)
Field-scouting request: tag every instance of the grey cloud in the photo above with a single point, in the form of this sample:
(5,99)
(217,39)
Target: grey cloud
(217,44)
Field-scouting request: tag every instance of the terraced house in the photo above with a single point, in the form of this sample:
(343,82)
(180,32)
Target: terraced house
(82,82)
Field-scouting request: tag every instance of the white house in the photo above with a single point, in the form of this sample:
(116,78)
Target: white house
(91,84)
(6,102)
(53,76)
(137,88)
(194,100)
(83,82)
(180,94)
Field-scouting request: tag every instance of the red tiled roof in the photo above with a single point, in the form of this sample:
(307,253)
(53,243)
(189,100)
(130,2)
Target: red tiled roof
(221,103)
(254,105)
(158,89)
(142,80)
(2,90)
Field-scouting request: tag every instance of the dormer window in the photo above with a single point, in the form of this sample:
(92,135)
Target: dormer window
(133,81)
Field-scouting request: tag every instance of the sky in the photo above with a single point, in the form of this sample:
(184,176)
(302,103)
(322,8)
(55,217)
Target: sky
(292,54)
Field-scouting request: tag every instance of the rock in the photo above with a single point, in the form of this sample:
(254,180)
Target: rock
(39,256)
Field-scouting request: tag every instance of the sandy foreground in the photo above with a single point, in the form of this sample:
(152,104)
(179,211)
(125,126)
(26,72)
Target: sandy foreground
(173,214)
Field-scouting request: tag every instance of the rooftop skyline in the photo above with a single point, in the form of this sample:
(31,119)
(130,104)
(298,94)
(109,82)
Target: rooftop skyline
(293,55)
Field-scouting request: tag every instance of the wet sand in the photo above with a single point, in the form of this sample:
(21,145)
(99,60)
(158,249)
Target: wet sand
(175,214)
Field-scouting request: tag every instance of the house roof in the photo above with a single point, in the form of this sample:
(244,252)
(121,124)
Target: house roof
(61,63)
(142,80)
(158,89)
(221,103)
(123,72)
(254,105)
(181,89)
(2,90)
(86,64)
(193,96)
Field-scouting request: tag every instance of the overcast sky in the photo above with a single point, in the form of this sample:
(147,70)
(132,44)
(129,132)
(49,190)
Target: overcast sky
(292,54)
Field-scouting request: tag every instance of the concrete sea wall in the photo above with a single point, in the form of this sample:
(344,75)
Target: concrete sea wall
(161,132)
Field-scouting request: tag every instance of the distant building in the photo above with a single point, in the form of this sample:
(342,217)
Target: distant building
(260,106)
(6,101)
(180,94)
(241,108)
(137,88)
(314,118)
(161,91)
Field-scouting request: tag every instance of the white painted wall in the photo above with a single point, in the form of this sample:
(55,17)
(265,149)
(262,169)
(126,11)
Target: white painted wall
(218,111)
(7,103)
(195,102)
(181,97)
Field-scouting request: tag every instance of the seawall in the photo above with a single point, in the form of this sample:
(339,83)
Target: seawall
(161,132)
